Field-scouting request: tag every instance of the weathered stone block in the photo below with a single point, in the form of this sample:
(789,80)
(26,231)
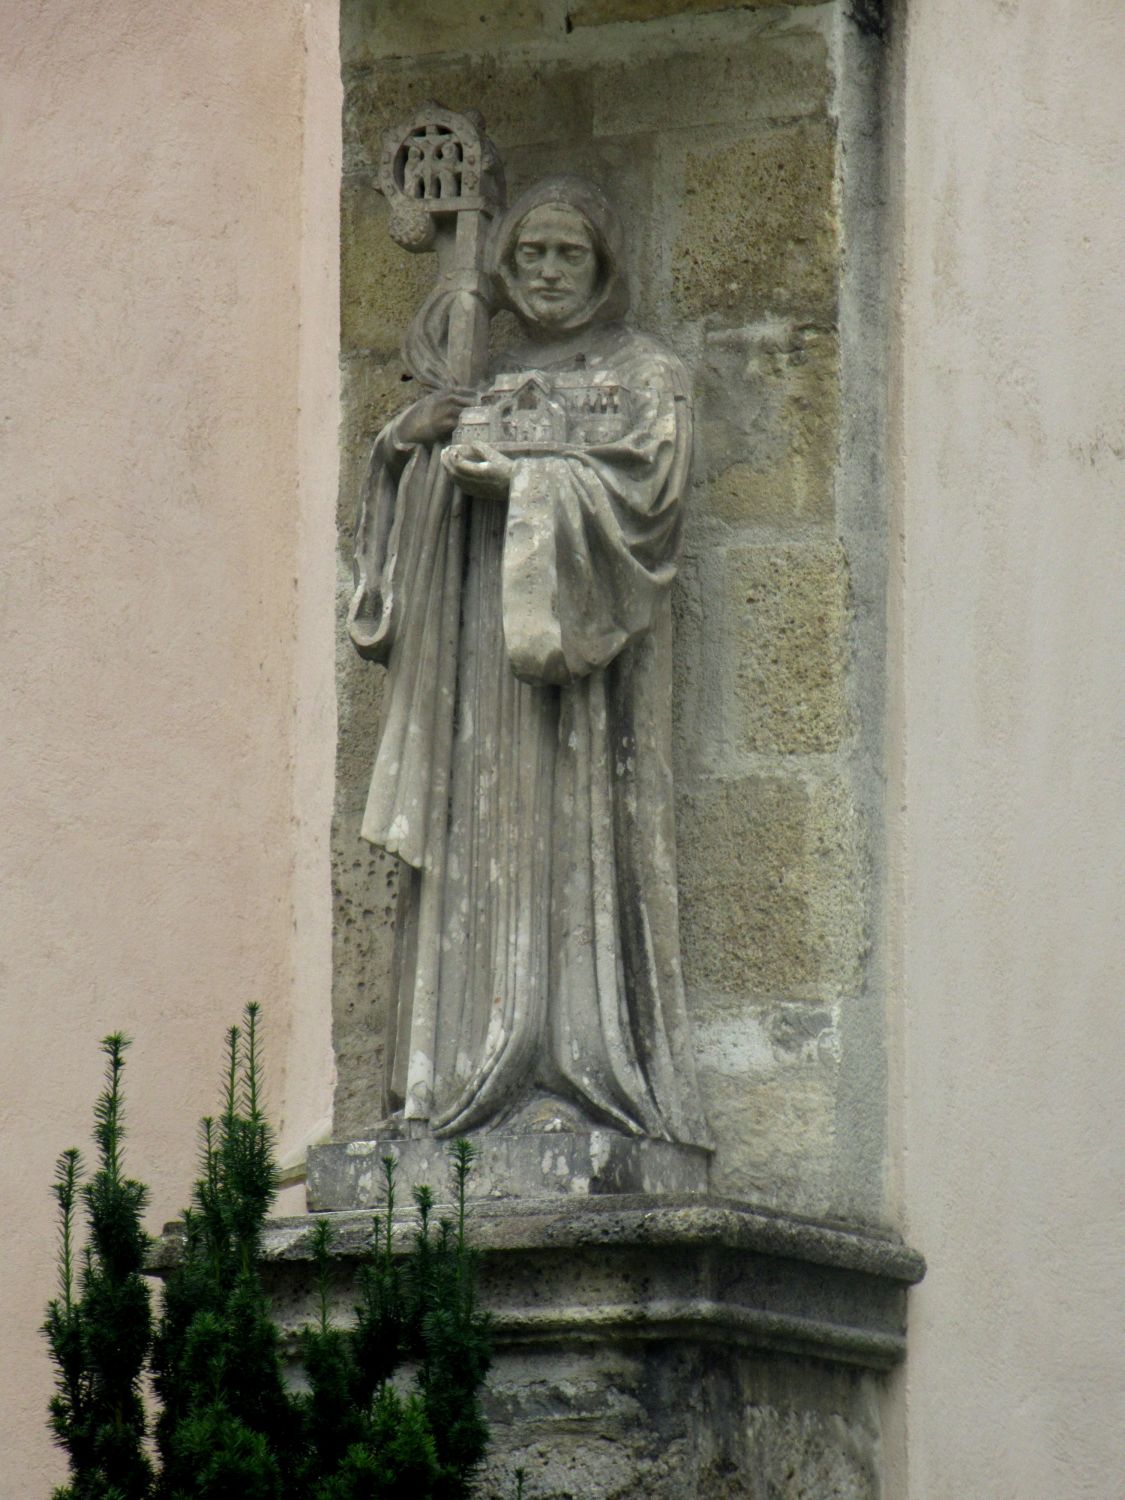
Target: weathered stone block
(364,903)
(769,1076)
(769,422)
(788,616)
(525,1165)
(604,12)
(612,1424)
(371,29)
(769,77)
(525,104)
(806,1455)
(772,882)
(758,228)
(697,676)
(364,900)
(381,286)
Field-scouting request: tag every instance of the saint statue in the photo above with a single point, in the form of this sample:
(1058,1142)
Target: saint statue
(515,553)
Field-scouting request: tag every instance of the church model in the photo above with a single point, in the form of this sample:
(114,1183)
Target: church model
(529,412)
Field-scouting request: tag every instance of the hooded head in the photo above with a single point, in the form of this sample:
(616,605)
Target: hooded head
(539,268)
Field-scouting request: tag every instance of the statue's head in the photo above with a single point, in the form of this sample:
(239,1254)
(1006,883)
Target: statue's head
(556,257)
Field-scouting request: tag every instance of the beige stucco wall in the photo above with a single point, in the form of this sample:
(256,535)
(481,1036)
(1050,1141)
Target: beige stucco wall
(1010,755)
(167,486)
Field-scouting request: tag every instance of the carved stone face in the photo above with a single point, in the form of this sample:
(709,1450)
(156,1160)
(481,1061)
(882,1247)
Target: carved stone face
(555,264)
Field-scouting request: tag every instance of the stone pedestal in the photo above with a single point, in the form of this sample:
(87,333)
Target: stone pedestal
(528,1166)
(660,1347)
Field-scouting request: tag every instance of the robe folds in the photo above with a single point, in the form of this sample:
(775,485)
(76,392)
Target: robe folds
(523,772)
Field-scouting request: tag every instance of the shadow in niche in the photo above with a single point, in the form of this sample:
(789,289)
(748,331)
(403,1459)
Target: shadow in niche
(871,17)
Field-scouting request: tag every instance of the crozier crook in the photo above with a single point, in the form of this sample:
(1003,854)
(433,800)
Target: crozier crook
(444,182)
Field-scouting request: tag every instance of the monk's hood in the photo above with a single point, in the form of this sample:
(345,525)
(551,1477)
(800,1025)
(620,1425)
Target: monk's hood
(610,299)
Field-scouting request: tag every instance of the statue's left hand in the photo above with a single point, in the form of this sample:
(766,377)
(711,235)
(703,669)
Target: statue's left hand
(479,469)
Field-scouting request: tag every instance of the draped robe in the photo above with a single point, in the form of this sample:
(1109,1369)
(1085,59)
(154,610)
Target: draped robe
(523,772)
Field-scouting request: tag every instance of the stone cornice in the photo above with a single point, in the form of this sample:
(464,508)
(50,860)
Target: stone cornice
(635,1268)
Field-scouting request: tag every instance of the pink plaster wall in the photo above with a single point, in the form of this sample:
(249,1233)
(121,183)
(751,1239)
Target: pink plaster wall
(1009,765)
(168,427)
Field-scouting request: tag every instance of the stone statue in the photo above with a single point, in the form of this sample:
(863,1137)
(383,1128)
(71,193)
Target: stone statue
(515,552)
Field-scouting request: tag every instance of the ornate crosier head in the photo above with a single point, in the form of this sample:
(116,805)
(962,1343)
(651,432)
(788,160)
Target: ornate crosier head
(435,166)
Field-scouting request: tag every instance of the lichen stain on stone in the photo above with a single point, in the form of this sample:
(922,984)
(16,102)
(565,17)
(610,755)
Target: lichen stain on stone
(758,229)
(769,411)
(789,616)
(772,888)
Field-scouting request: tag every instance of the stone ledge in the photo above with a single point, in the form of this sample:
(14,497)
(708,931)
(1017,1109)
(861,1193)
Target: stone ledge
(554,1224)
(639,1269)
(514,1167)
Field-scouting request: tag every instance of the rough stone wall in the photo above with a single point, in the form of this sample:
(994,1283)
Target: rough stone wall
(680,1419)
(652,1352)
(721,132)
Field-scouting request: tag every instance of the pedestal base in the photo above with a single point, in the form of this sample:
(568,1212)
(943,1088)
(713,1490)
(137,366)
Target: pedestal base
(653,1349)
(520,1166)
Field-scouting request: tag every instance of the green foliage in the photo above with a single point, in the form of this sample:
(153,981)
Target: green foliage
(364,1437)
(226,1423)
(228,1427)
(99,1328)
(456,1351)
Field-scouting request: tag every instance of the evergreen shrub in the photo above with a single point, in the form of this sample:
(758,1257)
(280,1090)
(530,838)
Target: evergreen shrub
(392,1407)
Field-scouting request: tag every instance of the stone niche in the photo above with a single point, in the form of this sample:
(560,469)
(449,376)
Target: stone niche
(657,1337)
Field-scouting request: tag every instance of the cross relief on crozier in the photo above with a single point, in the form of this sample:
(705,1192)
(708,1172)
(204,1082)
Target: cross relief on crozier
(433,164)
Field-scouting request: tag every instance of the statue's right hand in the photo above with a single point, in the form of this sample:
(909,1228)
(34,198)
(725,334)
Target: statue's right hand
(434,417)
